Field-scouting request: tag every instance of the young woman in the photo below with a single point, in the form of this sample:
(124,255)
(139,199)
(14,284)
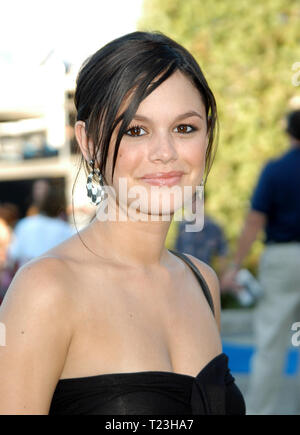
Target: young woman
(110,321)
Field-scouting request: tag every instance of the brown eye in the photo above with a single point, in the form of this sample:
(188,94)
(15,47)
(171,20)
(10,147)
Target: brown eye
(135,131)
(185,128)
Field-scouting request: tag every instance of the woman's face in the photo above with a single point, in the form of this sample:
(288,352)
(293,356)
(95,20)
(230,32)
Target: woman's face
(168,134)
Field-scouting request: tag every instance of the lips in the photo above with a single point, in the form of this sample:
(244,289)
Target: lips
(164,174)
(163,178)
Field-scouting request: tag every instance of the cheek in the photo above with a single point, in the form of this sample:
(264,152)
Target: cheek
(128,160)
(194,153)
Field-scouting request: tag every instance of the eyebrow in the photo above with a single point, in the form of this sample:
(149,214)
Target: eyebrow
(182,116)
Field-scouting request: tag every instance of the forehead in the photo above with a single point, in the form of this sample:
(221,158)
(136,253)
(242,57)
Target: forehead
(177,94)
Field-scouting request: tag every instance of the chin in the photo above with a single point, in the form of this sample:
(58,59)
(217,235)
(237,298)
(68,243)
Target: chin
(158,208)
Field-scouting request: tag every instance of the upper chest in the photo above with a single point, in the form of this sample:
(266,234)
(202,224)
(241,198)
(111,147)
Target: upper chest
(138,320)
(128,298)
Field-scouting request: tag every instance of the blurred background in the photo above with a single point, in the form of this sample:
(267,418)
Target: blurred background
(250,55)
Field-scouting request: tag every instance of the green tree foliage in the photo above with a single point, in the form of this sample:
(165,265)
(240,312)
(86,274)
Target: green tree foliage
(246,51)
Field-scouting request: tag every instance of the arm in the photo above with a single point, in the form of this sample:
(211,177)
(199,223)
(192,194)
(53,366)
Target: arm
(254,223)
(261,206)
(35,313)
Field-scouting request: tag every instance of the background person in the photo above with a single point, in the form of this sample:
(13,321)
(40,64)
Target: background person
(9,216)
(40,188)
(36,234)
(5,239)
(275,208)
(209,244)
(10,213)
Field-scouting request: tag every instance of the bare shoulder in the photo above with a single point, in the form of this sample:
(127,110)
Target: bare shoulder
(212,281)
(43,279)
(38,320)
(45,285)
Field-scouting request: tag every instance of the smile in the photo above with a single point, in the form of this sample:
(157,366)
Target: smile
(163,179)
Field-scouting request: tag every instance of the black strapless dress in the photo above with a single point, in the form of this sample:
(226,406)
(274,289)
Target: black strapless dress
(212,392)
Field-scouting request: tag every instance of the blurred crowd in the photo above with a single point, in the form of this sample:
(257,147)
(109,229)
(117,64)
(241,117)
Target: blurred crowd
(23,238)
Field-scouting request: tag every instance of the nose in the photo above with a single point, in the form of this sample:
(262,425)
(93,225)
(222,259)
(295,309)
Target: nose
(162,148)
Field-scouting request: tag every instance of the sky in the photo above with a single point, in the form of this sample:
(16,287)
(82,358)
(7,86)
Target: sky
(31,29)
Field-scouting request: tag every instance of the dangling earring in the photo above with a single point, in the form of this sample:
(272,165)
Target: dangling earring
(95,192)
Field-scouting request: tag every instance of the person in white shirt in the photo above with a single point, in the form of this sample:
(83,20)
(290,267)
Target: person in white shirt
(34,235)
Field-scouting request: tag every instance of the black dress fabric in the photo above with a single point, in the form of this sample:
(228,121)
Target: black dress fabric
(212,392)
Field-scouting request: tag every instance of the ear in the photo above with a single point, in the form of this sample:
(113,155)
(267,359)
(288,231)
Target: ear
(85,144)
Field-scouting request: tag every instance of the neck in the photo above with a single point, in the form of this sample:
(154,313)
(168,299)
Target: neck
(129,242)
(134,243)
